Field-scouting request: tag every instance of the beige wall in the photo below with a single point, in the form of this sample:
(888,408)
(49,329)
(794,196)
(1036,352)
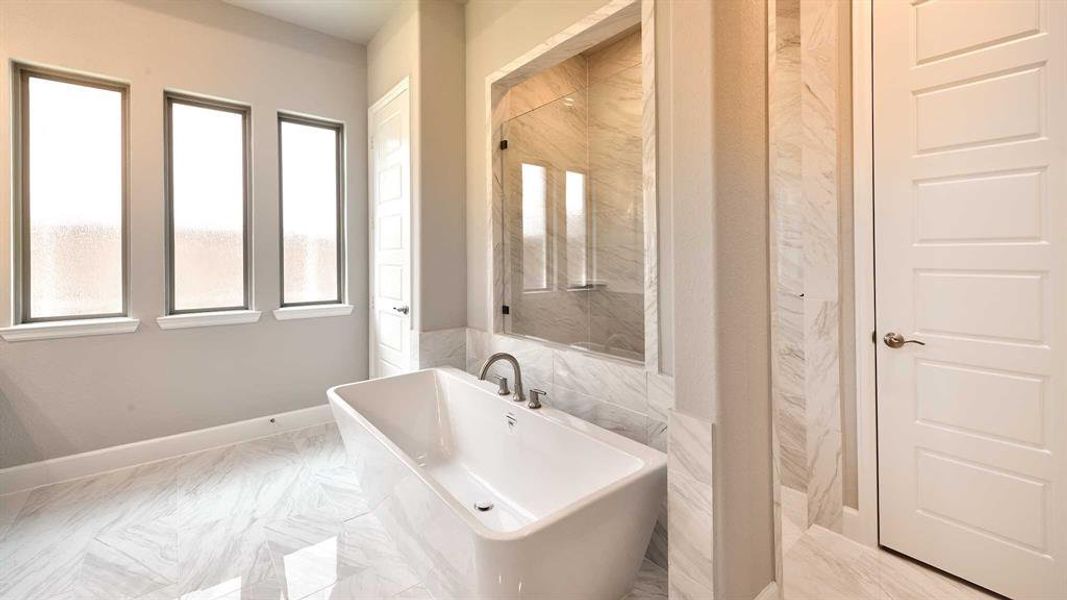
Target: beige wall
(743,478)
(424,41)
(393,52)
(59,397)
(443,245)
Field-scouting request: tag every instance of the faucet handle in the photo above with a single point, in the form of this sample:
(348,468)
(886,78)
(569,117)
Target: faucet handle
(535,398)
(503,390)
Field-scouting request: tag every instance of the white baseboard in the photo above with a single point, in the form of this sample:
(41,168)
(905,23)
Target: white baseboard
(769,593)
(55,470)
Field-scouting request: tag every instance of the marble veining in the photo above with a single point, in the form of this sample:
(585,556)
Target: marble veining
(443,348)
(808,184)
(821,176)
(788,246)
(689,499)
(605,62)
(582,287)
(823,565)
(134,533)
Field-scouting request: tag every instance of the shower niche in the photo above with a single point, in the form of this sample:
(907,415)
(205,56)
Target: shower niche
(573,201)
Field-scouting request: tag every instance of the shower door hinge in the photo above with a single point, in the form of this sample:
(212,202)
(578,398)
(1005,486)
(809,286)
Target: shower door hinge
(503,144)
(505,309)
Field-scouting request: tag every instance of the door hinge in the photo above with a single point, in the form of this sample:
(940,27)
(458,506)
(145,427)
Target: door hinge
(503,144)
(505,309)
(874,337)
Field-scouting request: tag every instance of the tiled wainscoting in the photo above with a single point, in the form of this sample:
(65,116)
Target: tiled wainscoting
(616,395)
(689,493)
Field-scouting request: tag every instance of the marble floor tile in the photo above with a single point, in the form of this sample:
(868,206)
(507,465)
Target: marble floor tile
(320,447)
(356,556)
(217,556)
(651,583)
(130,562)
(823,565)
(278,518)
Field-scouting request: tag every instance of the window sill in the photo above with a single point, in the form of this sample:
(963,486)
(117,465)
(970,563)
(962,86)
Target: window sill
(312,312)
(48,330)
(208,319)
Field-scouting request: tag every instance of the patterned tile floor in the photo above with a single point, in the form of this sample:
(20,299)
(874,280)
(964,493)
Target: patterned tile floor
(823,565)
(278,518)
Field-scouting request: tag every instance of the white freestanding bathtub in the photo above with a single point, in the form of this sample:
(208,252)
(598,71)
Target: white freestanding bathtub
(573,505)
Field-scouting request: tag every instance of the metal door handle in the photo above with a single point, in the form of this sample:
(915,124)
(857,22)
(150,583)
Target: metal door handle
(895,340)
(402,309)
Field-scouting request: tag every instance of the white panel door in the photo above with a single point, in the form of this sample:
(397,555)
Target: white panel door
(970,147)
(390,219)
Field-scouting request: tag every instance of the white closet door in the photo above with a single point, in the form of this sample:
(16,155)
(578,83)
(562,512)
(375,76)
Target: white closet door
(970,134)
(390,216)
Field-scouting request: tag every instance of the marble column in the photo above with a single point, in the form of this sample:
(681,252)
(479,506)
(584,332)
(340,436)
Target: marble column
(689,503)
(819,59)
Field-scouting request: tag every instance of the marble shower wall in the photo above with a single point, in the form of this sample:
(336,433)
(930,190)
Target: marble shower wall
(808,179)
(548,120)
(583,115)
(788,315)
(616,395)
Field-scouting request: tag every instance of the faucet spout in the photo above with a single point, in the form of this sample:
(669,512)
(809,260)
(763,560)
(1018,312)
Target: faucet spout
(520,395)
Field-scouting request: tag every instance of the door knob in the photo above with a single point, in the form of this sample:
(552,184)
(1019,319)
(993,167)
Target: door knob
(895,340)
(402,309)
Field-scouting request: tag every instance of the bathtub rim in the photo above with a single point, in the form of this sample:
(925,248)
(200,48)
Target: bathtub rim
(651,460)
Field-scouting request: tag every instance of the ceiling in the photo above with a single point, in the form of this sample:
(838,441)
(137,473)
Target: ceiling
(353,20)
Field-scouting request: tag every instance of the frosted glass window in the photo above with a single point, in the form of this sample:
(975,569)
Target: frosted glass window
(311,196)
(72,183)
(534,227)
(208,167)
(577,220)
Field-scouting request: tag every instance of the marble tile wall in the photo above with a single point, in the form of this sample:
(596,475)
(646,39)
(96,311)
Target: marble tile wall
(806,179)
(617,319)
(619,396)
(548,86)
(820,172)
(789,246)
(441,348)
(689,492)
(583,115)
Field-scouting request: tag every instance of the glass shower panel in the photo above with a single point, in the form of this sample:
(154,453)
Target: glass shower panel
(573,210)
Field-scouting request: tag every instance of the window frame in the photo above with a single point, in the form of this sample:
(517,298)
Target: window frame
(170,98)
(21,75)
(338,128)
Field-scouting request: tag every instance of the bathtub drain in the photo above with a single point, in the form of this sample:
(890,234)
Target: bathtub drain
(483,505)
